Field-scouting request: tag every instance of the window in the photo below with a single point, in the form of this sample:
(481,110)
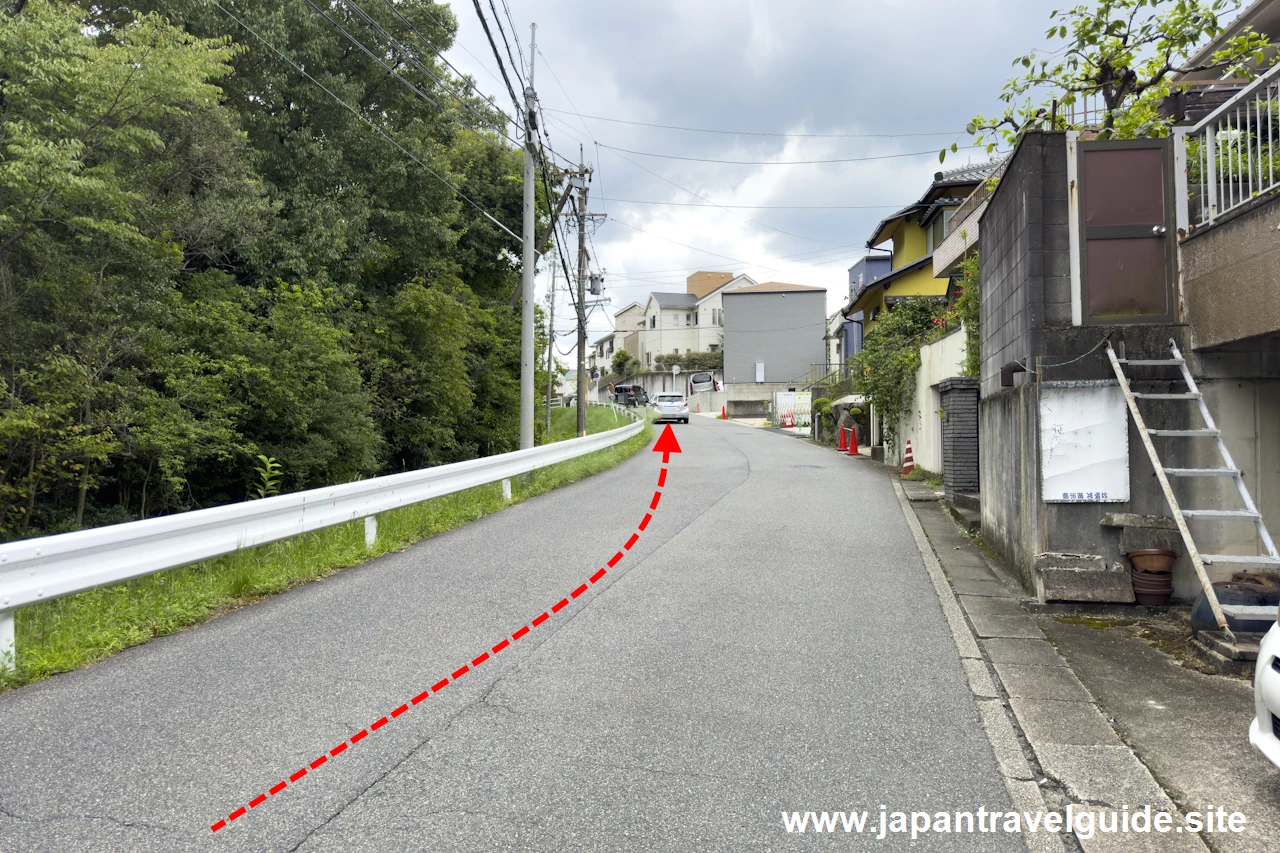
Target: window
(714,348)
(695,317)
(687,351)
(653,322)
(938,229)
(648,358)
(688,319)
(717,316)
(675,351)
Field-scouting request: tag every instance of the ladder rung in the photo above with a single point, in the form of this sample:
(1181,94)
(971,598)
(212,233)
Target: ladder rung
(1220,513)
(1252,612)
(1152,362)
(1191,395)
(1243,560)
(1202,472)
(1184,432)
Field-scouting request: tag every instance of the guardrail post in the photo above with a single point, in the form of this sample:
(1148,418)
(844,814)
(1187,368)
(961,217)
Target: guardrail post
(8,651)
(506,490)
(370,531)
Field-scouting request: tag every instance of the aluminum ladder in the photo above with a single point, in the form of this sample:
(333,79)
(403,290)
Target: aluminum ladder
(1210,430)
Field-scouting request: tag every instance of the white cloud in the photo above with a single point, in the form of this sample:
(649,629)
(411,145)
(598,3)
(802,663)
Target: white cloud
(806,66)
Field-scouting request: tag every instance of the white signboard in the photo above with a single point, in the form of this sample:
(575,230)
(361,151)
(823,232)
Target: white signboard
(1084,445)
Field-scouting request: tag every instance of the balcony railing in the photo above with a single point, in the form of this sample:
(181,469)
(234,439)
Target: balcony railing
(1231,152)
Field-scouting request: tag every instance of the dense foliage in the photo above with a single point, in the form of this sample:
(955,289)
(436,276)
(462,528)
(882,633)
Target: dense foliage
(205,258)
(963,312)
(690,361)
(884,369)
(1114,65)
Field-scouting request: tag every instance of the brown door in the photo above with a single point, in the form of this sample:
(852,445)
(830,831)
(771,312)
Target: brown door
(1126,226)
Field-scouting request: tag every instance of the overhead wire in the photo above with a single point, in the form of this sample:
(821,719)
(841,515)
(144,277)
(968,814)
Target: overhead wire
(759,206)
(933,152)
(484,23)
(403,80)
(714,204)
(366,120)
(408,56)
(517,67)
(758,133)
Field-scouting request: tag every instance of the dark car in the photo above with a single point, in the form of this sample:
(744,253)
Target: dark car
(630,395)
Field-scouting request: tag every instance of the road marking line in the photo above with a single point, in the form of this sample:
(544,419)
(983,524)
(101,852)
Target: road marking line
(444,682)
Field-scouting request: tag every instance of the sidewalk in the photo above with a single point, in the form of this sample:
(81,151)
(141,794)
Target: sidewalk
(1098,710)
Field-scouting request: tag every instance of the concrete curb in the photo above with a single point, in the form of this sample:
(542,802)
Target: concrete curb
(1014,768)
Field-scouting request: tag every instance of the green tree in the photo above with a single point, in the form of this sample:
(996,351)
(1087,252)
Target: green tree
(624,363)
(1117,56)
(884,369)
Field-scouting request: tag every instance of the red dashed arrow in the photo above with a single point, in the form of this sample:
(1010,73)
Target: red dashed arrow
(666,445)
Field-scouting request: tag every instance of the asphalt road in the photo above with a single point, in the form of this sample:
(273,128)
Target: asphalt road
(771,643)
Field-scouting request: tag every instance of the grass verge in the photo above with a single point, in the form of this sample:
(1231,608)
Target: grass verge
(564,421)
(77,630)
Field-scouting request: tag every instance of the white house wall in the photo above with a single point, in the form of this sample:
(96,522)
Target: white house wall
(939,360)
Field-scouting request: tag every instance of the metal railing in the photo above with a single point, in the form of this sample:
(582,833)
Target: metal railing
(34,570)
(1230,152)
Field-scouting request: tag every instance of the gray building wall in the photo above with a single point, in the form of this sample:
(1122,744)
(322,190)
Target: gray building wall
(784,329)
(1026,316)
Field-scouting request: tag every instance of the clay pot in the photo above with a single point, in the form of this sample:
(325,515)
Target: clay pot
(1152,576)
(1153,560)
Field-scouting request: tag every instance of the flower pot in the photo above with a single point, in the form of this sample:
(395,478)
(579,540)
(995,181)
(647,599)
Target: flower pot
(1152,576)
(1153,560)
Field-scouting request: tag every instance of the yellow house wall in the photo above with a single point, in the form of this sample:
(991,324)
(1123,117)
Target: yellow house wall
(909,244)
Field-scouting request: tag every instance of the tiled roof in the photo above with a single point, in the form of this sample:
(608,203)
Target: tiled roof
(944,201)
(967,174)
(773,286)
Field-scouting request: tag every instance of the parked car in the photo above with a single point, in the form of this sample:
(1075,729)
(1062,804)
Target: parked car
(671,407)
(1264,733)
(703,381)
(630,395)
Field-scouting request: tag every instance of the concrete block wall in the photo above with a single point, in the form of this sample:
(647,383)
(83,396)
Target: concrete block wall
(1024,253)
(959,396)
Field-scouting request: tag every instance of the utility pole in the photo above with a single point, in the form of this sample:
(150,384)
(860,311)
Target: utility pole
(582,295)
(527,355)
(551,344)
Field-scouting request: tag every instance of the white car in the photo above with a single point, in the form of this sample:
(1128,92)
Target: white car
(1264,733)
(671,407)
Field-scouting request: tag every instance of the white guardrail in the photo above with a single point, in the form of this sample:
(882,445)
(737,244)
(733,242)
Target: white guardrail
(1231,151)
(33,570)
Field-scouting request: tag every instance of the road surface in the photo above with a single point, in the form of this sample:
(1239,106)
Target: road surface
(770,643)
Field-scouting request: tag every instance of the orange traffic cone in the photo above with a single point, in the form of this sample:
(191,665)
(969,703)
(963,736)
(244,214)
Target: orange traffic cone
(842,444)
(697,407)
(853,441)
(723,416)
(908,463)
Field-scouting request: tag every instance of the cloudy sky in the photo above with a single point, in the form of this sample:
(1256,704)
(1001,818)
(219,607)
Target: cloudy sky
(865,79)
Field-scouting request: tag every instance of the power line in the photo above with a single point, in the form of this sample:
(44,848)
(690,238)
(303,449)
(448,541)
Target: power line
(426,8)
(687,246)
(777,162)
(417,91)
(515,66)
(556,77)
(759,206)
(367,121)
(811,253)
(505,79)
(511,21)
(709,201)
(759,133)
(407,55)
